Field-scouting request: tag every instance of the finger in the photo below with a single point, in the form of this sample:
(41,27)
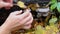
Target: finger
(16,28)
(8,4)
(17,12)
(27,10)
(27,26)
(4,4)
(0,0)
(26,19)
(9,1)
(24,15)
(21,23)
(29,22)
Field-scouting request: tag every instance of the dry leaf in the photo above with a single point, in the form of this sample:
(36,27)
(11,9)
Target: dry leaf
(21,4)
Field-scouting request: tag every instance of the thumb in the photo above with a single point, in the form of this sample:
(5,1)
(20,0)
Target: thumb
(4,4)
(17,12)
(7,4)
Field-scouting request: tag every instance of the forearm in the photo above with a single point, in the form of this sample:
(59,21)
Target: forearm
(4,30)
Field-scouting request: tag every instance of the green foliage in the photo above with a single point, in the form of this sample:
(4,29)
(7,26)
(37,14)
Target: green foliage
(53,20)
(52,29)
(58,6)
(55,4)
(39,30)
(49,29)
(53,1)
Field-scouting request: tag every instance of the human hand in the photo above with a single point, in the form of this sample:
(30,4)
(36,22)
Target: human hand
(18,20)
(6,3)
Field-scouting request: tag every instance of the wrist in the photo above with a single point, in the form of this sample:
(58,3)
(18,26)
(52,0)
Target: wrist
(4,30)
(4,27)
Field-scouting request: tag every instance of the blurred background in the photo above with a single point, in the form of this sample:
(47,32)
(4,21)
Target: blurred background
(46,14)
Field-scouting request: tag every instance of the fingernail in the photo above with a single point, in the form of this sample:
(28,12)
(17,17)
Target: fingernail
(11,5)
(28,10)
(20,10)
